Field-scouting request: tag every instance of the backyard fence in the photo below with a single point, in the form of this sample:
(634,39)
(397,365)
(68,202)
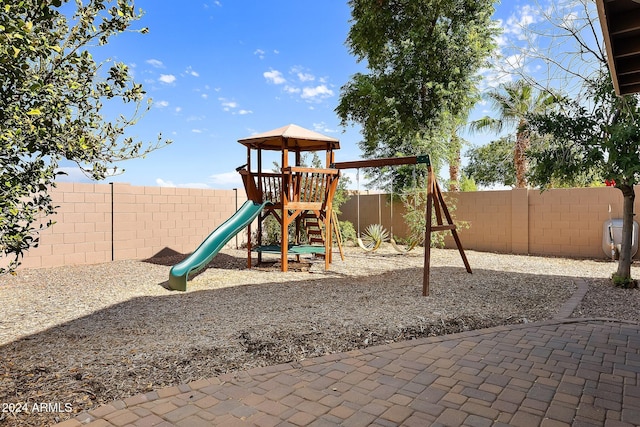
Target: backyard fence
(103,222)
(558,222)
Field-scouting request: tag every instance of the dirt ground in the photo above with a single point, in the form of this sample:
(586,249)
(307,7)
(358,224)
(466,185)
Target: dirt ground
(81,336)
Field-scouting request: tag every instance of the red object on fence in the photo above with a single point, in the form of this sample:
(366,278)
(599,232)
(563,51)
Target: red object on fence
(610,182)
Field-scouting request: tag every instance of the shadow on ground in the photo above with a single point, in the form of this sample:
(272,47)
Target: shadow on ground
(149,342)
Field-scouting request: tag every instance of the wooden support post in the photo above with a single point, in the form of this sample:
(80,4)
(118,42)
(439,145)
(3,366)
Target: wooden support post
(435,200)
(427,235)
(284,197)
(336,230)
(249,226)
(328,237)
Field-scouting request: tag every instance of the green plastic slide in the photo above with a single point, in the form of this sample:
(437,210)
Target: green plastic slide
(213,244)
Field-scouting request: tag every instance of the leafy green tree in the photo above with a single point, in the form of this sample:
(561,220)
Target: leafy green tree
(600,140)
(51,95)
(467,183)
(514,102)
(454,149)
(492,163)
(423,57)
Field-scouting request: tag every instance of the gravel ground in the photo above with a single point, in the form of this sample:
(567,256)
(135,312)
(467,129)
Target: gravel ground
(87,335)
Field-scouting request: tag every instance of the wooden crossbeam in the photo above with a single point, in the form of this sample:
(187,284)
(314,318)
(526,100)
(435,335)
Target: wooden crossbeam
(376,163)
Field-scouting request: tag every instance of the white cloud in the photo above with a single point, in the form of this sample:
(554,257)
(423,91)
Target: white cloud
(306,77)
(259,53)
(522,18)
(226,180)
(274,76)
(569,20)
(492,78)
(291,89)
(161,104)
(196,130)
(204,96)
(155,63)
(515,61)
(178,109)
(317,92)
(322,128)
(162,183)
(192,72)
(301,74)
(230,106)
(501,40)
(167,78)
(227,105)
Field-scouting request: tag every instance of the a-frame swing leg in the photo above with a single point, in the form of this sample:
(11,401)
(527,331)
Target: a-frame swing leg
(336,231)
(436,200)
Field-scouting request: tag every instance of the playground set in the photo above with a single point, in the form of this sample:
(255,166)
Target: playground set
(303,197)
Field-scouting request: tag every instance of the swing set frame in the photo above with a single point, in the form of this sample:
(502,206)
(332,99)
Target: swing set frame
(435,203)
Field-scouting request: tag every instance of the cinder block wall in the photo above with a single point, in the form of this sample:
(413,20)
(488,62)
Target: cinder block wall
(557,222)
(100,222)
(375,209)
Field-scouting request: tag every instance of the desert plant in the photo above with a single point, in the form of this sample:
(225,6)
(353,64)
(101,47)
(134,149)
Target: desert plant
(348,232)
(374,234)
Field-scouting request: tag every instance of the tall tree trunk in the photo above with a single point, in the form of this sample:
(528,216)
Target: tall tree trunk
(624,263)
(454,171)
(520,159)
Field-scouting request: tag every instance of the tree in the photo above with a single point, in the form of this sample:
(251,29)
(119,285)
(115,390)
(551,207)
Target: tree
(553,44)
(565,44)
(454,149)
(423,57)
(51,95)
(514,102)
(603,139)
(492,163)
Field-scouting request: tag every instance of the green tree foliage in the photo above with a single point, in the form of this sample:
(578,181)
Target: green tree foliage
(467,183)
(514,102)
(604,140)
(492,163)
(423,57)
(51,95)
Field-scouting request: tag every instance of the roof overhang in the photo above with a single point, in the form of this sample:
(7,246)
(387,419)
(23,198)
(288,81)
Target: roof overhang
(620,22)
(291,137)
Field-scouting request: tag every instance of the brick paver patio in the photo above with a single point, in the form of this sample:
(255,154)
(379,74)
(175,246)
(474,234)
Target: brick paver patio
(581,372)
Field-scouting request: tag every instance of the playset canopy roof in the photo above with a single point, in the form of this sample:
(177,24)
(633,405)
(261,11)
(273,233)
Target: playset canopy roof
(291,137)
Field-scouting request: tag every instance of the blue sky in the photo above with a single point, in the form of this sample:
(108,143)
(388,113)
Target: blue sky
(221,70)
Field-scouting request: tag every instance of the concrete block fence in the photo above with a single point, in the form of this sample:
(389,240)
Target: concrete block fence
(99,223)
(558,222)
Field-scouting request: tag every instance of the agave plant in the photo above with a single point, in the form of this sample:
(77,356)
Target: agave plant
(374,235)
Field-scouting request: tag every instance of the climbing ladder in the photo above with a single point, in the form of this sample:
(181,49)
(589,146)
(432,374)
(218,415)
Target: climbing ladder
(315,234)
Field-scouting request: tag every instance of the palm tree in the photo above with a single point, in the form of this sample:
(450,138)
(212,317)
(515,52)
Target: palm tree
(515,101)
